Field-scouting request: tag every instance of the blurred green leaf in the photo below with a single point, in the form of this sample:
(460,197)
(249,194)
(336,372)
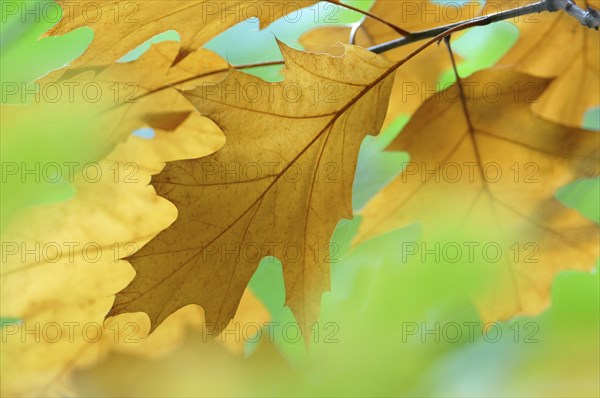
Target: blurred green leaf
(23,56)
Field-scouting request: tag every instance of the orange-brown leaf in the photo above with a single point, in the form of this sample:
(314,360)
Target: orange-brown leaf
(278,187)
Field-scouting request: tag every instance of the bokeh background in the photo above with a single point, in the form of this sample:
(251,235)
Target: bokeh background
(376,296)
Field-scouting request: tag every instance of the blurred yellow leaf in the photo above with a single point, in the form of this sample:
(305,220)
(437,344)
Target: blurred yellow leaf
(61,266)
(198,368)
(557,45)
(493,184)
(82,113)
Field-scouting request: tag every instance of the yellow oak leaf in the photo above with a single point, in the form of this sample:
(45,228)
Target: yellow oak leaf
(130,95)
(492,184)
(93,109)
(278,187)
(122,25)
(61,267)
(557,45)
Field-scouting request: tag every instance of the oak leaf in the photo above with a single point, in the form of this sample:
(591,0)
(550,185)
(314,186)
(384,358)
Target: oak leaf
(141,93)
(122,25)
(92,109)
(494,183)
(557,45)
(61,267)
(278,187)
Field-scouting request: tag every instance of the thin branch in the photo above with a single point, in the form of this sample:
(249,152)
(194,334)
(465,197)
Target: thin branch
(589,18)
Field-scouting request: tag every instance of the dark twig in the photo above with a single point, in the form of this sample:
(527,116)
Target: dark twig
(589,18)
